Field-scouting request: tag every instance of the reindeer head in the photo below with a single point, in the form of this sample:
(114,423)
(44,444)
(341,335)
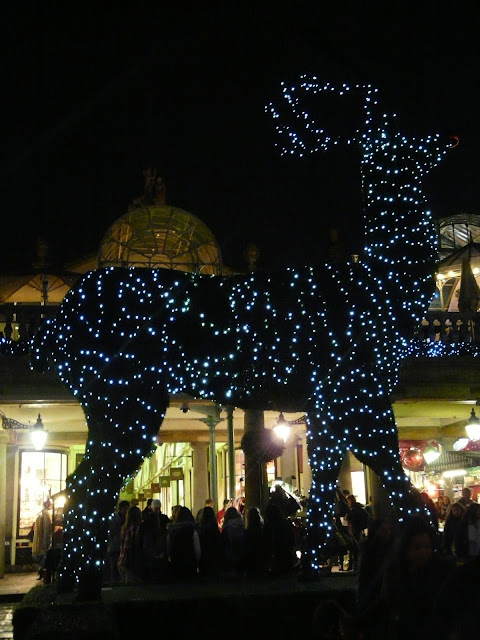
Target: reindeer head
(361,123)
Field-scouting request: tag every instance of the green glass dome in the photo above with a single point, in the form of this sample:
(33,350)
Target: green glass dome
(158,236)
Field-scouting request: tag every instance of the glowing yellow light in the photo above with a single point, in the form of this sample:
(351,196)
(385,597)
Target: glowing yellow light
(454,473)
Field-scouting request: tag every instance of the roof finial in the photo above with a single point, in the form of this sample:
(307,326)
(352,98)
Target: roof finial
(153,191)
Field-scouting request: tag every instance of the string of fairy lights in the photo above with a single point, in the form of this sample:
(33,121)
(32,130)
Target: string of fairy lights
(331,337)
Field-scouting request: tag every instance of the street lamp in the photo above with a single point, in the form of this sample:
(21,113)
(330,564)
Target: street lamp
(472,427)
(282,428)
(472,441)
(38,433)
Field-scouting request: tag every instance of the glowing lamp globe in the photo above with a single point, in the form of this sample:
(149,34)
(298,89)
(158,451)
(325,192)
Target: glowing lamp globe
(432,452)
(473,427)
(38,434)
(282,428)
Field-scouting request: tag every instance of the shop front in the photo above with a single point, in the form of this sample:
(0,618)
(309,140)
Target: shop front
(451,472)
(34,477)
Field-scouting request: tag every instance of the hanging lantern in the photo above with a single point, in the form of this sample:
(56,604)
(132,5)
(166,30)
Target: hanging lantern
(282,428)
(431,452)
(473,427)
(38,434)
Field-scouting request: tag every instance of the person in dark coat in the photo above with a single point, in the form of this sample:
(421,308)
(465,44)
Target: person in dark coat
(42,537)
(183,545)
(357,519)
(209,565)
(233,544)
(257,552)
(467,535)
(148,508)
(281,540)
(405,607)
(455,620)
(374,555)
(152,543)
(450,528)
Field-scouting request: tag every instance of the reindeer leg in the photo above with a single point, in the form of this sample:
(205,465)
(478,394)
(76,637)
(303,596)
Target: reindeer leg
(131,423)
(325,454)
(375,444)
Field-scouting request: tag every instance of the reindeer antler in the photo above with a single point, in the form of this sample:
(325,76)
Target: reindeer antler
(315,137)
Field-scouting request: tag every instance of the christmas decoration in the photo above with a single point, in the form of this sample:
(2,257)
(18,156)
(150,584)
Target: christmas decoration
(388,292)
(325,340)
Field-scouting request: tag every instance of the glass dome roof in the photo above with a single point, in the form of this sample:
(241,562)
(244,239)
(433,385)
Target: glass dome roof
(457,231)
(160,236)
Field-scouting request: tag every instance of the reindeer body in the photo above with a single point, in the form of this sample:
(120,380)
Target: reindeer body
(325,340)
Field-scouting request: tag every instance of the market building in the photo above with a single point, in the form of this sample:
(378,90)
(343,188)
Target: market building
(198,452)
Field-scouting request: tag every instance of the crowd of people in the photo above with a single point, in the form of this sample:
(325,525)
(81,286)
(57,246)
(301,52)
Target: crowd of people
(411,572)
(150,547)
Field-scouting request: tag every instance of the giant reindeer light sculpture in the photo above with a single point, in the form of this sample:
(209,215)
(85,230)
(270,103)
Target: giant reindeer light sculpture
(325,340)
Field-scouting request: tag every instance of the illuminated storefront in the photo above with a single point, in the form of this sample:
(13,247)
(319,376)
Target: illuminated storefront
(42,475)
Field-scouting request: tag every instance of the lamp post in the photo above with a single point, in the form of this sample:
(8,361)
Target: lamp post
(38,434)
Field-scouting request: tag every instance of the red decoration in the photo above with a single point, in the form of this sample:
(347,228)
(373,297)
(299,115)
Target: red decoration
(472,445)
(411,454)
(412,459)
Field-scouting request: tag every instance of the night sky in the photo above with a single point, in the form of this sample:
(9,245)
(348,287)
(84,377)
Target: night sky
(93,99)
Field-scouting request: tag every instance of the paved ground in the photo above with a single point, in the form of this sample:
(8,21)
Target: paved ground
(15,585)
(6,629)
(182,599)
(12,589)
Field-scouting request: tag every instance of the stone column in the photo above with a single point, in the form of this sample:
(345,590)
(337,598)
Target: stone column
(256,486)
(307,471)
(212,421)
(231,452)
(201,490)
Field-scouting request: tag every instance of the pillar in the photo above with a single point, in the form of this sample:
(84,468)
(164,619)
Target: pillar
(212,421)
(306,481)
(256,486)
(231,453)
(201,490)
(213,462)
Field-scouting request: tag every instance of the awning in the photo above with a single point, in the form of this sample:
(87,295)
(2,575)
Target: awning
(449,460)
